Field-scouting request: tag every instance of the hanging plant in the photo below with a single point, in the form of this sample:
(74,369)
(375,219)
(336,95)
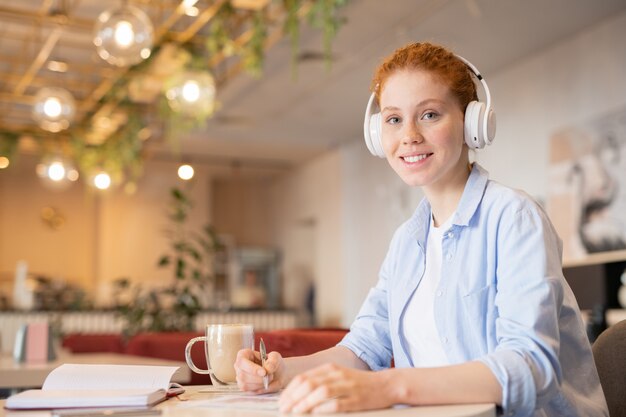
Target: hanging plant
(292,29)
(232,32)
(222,35)
(324,15)
(120,155)
(219,39)
(253,52)
(8,144)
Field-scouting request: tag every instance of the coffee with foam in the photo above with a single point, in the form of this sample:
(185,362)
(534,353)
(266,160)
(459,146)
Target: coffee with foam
(221,344)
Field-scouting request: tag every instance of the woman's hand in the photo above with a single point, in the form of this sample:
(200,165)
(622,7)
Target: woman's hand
(250,373)
(332,388)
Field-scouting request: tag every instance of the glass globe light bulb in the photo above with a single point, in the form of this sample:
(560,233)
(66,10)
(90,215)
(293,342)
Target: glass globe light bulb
(56,171)
(102,181)
(123,36)
(54,109)
(191,93)
(185,172)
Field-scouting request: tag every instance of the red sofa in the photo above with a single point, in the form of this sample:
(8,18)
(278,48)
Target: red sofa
(289,342)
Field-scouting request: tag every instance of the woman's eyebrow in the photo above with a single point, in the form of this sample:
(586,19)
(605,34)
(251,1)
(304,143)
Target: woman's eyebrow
(421,103)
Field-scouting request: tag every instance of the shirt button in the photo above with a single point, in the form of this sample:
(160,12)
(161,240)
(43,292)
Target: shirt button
(450,235)
(449,256)
(439,293)
(445,340)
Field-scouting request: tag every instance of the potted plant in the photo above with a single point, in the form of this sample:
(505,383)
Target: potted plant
(191,256)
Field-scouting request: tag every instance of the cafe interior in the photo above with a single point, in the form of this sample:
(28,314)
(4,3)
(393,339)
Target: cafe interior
(167,164)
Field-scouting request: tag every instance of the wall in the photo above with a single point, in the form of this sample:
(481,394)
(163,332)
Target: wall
(570,82)
(67,252)
(241,208)
(307,212)
(132,228)
(374,203)
(104,237)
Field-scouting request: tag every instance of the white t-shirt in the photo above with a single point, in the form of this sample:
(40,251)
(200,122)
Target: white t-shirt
(425,346)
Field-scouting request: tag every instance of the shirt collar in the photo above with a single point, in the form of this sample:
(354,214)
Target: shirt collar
(473,193)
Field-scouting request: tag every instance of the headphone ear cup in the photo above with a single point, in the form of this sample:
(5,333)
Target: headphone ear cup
(491,127)
(474,114)
(372,129)
(376,135)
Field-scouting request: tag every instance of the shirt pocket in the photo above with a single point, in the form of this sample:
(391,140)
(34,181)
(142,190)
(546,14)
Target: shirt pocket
(476,300)
(476,312)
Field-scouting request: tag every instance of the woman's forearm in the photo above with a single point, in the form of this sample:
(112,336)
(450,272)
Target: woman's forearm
(337,354)
(471,382)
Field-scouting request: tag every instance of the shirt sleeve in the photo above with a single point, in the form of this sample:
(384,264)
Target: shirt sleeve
(369,336)
(529,297)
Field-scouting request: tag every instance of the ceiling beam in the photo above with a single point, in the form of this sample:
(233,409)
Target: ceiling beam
(202,20)
(71,84)
(29,17)
(87,69)
(38,62)
(14,98)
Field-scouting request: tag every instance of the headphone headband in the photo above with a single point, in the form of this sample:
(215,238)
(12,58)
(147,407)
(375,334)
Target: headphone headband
(480,78)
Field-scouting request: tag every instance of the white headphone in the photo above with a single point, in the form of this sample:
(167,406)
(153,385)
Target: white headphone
(480,120)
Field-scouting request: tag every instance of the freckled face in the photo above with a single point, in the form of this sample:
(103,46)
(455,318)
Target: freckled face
(422,129)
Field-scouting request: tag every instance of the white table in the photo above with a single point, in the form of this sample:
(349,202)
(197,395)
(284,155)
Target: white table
(171,408)
(32,375)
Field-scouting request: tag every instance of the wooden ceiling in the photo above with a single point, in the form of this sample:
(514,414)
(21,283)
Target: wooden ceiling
(37,37)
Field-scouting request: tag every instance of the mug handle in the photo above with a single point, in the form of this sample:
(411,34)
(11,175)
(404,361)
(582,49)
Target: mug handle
(190,360)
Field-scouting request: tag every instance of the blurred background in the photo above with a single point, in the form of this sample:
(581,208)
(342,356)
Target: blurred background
(279,206)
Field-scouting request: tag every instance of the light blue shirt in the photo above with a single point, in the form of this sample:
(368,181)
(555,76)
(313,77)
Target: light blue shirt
(501,300)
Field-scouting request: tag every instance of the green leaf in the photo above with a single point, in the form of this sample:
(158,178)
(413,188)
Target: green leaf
(180,268)
(196,275)
(194,253)
(253,52)
(180,246)
(177,194)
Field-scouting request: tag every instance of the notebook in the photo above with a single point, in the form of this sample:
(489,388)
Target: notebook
(101,385)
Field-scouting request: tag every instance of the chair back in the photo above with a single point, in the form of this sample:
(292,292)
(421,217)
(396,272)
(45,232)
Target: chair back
(609,353)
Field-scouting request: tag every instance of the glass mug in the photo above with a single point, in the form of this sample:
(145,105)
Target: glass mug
(221,344)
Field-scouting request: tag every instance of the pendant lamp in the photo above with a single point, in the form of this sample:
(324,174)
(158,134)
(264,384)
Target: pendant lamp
(123,36)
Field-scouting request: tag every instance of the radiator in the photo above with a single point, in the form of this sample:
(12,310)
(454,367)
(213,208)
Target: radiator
(261,320)
(107,322)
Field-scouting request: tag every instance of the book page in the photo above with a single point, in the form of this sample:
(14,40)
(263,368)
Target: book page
(103,376)
(35,399)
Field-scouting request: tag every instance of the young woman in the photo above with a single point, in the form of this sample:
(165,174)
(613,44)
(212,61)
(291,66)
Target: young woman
(471,302)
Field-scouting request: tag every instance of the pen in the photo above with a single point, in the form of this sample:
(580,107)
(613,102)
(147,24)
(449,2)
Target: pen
(266,378)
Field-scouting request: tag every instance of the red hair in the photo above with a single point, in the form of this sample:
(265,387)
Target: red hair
(434,59)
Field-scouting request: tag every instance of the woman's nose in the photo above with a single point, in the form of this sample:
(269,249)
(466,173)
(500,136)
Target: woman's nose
(412,134)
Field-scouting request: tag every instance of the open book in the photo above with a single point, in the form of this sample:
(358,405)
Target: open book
(102,385)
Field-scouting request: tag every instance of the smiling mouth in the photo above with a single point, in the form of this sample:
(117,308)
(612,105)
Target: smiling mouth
(411,159)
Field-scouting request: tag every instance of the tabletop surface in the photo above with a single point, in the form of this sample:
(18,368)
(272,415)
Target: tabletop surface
(32,375)
(203,401)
